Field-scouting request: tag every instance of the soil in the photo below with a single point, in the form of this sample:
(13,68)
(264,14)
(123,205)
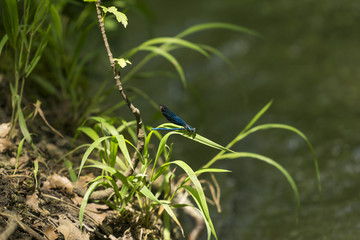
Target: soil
(41,204)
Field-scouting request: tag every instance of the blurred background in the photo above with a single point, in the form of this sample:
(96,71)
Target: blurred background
(305,58)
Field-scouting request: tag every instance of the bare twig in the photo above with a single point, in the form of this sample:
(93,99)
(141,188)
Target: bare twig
(13,226)
(9,229)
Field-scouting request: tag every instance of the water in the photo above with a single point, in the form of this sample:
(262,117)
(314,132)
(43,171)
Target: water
(307,61)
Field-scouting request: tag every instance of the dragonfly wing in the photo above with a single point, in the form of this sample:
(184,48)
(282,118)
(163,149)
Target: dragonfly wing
(172,117)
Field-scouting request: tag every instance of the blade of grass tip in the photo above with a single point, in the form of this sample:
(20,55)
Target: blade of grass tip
(274,164)
(125,125)
(20,147)
(74,150)
(38,54)
(215,25)
(298,132)
(257,116)
(203,140)
(140,156)
(3,42)
(240,135)
(216,52)
(71,171)
(89,150)
(170,58)
(89,132)
(106,125)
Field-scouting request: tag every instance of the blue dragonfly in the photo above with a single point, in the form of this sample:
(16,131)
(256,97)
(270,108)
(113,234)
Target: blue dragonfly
(173,118)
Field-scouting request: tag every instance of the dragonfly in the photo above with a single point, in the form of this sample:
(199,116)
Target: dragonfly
(173,118)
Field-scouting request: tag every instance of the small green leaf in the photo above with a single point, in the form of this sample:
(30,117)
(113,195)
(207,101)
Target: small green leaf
(23,128)
(3,41)
(120,17)
(122,62)
(18,153)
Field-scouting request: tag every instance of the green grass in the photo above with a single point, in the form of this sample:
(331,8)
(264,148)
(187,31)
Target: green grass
(112,148)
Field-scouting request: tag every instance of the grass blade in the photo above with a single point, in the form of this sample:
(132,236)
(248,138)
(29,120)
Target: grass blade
(200,196)
(89,150)
(170,58)
(89,132)
(215,25)
(3,42)
(146,192)
(254,119)
(20,147)
(168,41)
(11,20)
(292,129)
(274,164)
(85,201)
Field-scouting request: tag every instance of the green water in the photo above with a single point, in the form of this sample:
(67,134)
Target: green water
(307,60)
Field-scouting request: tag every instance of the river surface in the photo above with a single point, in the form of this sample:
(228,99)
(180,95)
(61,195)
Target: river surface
(306,60)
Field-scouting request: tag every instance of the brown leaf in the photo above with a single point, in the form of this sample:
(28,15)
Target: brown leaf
(69,230)
(77,199)
(5,142)
(92,209)
(50,233)
(84,180)
(56,181)
(33,202)
(42,115)
(4,129)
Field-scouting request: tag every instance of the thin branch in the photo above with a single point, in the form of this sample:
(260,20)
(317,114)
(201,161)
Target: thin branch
(140,131)
(133,109)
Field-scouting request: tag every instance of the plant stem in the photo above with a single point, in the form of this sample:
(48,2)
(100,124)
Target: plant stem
(133,109)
